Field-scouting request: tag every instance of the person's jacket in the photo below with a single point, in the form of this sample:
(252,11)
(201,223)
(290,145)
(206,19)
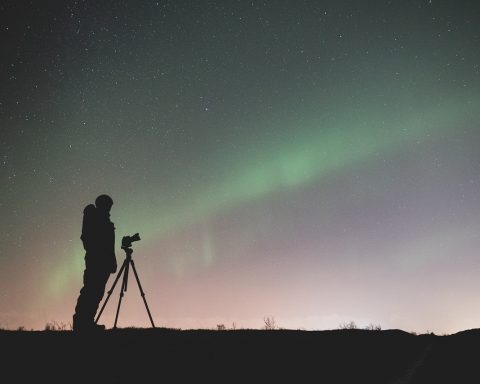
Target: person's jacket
(98,238)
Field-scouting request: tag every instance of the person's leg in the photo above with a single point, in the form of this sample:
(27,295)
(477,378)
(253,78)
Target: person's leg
(94,282)
(99,291)
(81,316)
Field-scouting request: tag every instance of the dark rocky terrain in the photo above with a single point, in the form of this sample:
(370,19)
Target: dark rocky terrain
(247,356)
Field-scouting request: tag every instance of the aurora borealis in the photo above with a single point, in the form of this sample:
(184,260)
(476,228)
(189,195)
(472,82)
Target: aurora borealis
(314,161)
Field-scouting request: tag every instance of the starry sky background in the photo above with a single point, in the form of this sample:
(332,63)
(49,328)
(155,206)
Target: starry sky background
(312,161)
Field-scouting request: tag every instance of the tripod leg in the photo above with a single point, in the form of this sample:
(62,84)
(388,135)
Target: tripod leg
(125,277)
(111,290)
(124,288)
(142,293)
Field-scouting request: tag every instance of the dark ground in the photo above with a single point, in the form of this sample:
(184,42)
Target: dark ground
(247,356)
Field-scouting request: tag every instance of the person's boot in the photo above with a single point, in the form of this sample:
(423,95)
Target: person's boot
(98,327)
(86,326)
(78,323)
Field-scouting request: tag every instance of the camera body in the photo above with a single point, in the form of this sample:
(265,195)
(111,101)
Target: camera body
(128,240)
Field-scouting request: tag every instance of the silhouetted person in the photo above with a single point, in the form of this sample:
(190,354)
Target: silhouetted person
(98,237)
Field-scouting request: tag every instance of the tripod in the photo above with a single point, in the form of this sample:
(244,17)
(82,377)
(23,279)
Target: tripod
(125,269)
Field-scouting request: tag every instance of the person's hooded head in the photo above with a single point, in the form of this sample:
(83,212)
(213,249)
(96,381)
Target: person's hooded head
(103,203)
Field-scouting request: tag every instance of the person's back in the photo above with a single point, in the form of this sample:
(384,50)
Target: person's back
(88,236)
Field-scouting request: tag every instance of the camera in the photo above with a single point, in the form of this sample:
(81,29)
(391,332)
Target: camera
(128,240)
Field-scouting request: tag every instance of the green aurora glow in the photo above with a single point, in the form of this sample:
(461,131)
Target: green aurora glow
(285,164)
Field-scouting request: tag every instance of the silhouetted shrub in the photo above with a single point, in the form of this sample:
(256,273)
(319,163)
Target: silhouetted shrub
(269,323)
(348,325)
(373,327)
(54,326)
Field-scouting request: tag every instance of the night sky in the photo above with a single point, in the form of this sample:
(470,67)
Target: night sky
(317,162)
